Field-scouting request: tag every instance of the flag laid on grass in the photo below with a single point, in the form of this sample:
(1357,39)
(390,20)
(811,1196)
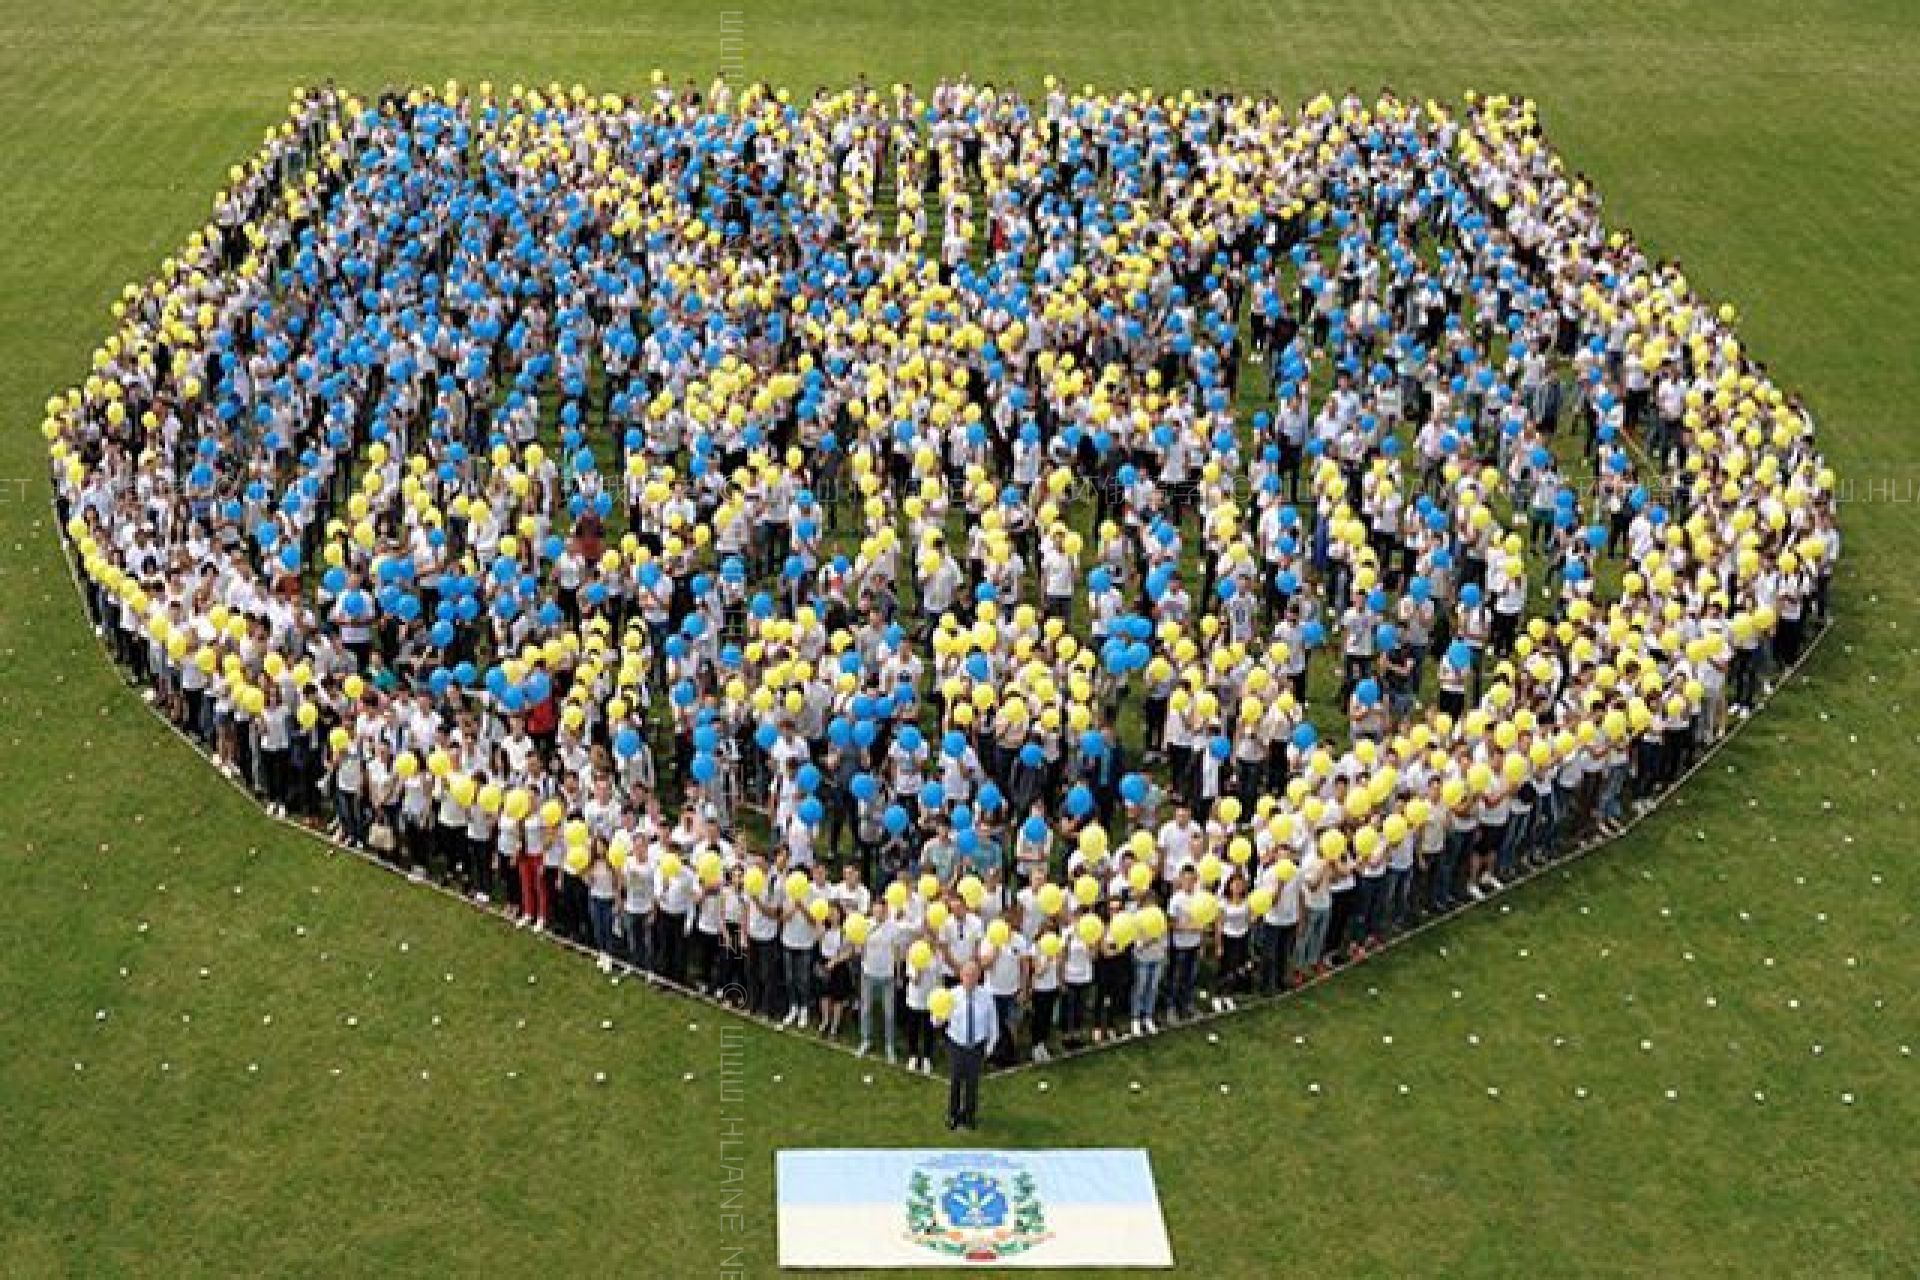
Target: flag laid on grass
(933,1207)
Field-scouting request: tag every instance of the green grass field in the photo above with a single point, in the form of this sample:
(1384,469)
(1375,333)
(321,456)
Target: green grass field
(1755,940)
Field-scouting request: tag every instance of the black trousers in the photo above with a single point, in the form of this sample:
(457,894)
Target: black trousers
(963,1083)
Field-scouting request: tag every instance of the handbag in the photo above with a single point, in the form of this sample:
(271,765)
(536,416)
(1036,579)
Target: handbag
(380,837)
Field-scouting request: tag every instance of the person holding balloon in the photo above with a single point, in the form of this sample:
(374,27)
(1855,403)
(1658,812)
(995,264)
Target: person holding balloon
(879,942)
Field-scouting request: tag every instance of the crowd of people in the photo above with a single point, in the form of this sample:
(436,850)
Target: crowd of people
(1152,547)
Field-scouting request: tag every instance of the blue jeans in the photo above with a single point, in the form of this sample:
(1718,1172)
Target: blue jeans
(876,993)
(601,910)
(351,810)
(1312,938)
(1511,843)
(1273,944)
(1398,908)
(1612,808)
(1146,986)
(1184,973)
(1546,823)
(1366,906)
(799,967)
(639,940)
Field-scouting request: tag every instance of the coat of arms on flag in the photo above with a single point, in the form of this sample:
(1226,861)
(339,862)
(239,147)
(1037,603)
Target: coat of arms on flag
(979,1207)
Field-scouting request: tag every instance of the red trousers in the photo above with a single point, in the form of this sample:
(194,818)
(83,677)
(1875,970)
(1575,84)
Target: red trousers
(533,888)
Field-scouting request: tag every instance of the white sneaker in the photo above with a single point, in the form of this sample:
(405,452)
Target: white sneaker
(1476,893)
(1040,1054)
(861,1052)
(913,1064)
(788,1021)
(926,1066)
(891,1060)
(521,922)
(803,1019)
(1216,1004)
(1136,1026)
(1151,1029)
(1493,882)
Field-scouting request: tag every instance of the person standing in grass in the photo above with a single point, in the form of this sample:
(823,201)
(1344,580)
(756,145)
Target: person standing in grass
(637,874)
(922,981)
(880,957)
(1232,933)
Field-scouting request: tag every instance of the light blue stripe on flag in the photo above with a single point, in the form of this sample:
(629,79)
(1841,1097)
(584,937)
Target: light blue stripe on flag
(1094,1175)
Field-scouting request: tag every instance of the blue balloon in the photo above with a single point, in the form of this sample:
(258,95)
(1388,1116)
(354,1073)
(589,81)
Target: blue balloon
(1133,788)
(1034,829)
(1079,801)
(812,811)
(1305,736)
(626,744)
(1459,655)
(894,819)
(1367,692)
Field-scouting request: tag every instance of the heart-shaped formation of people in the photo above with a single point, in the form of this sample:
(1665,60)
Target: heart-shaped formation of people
(1150,547)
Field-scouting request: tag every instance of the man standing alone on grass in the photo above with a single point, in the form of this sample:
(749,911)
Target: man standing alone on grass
(972,1031)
